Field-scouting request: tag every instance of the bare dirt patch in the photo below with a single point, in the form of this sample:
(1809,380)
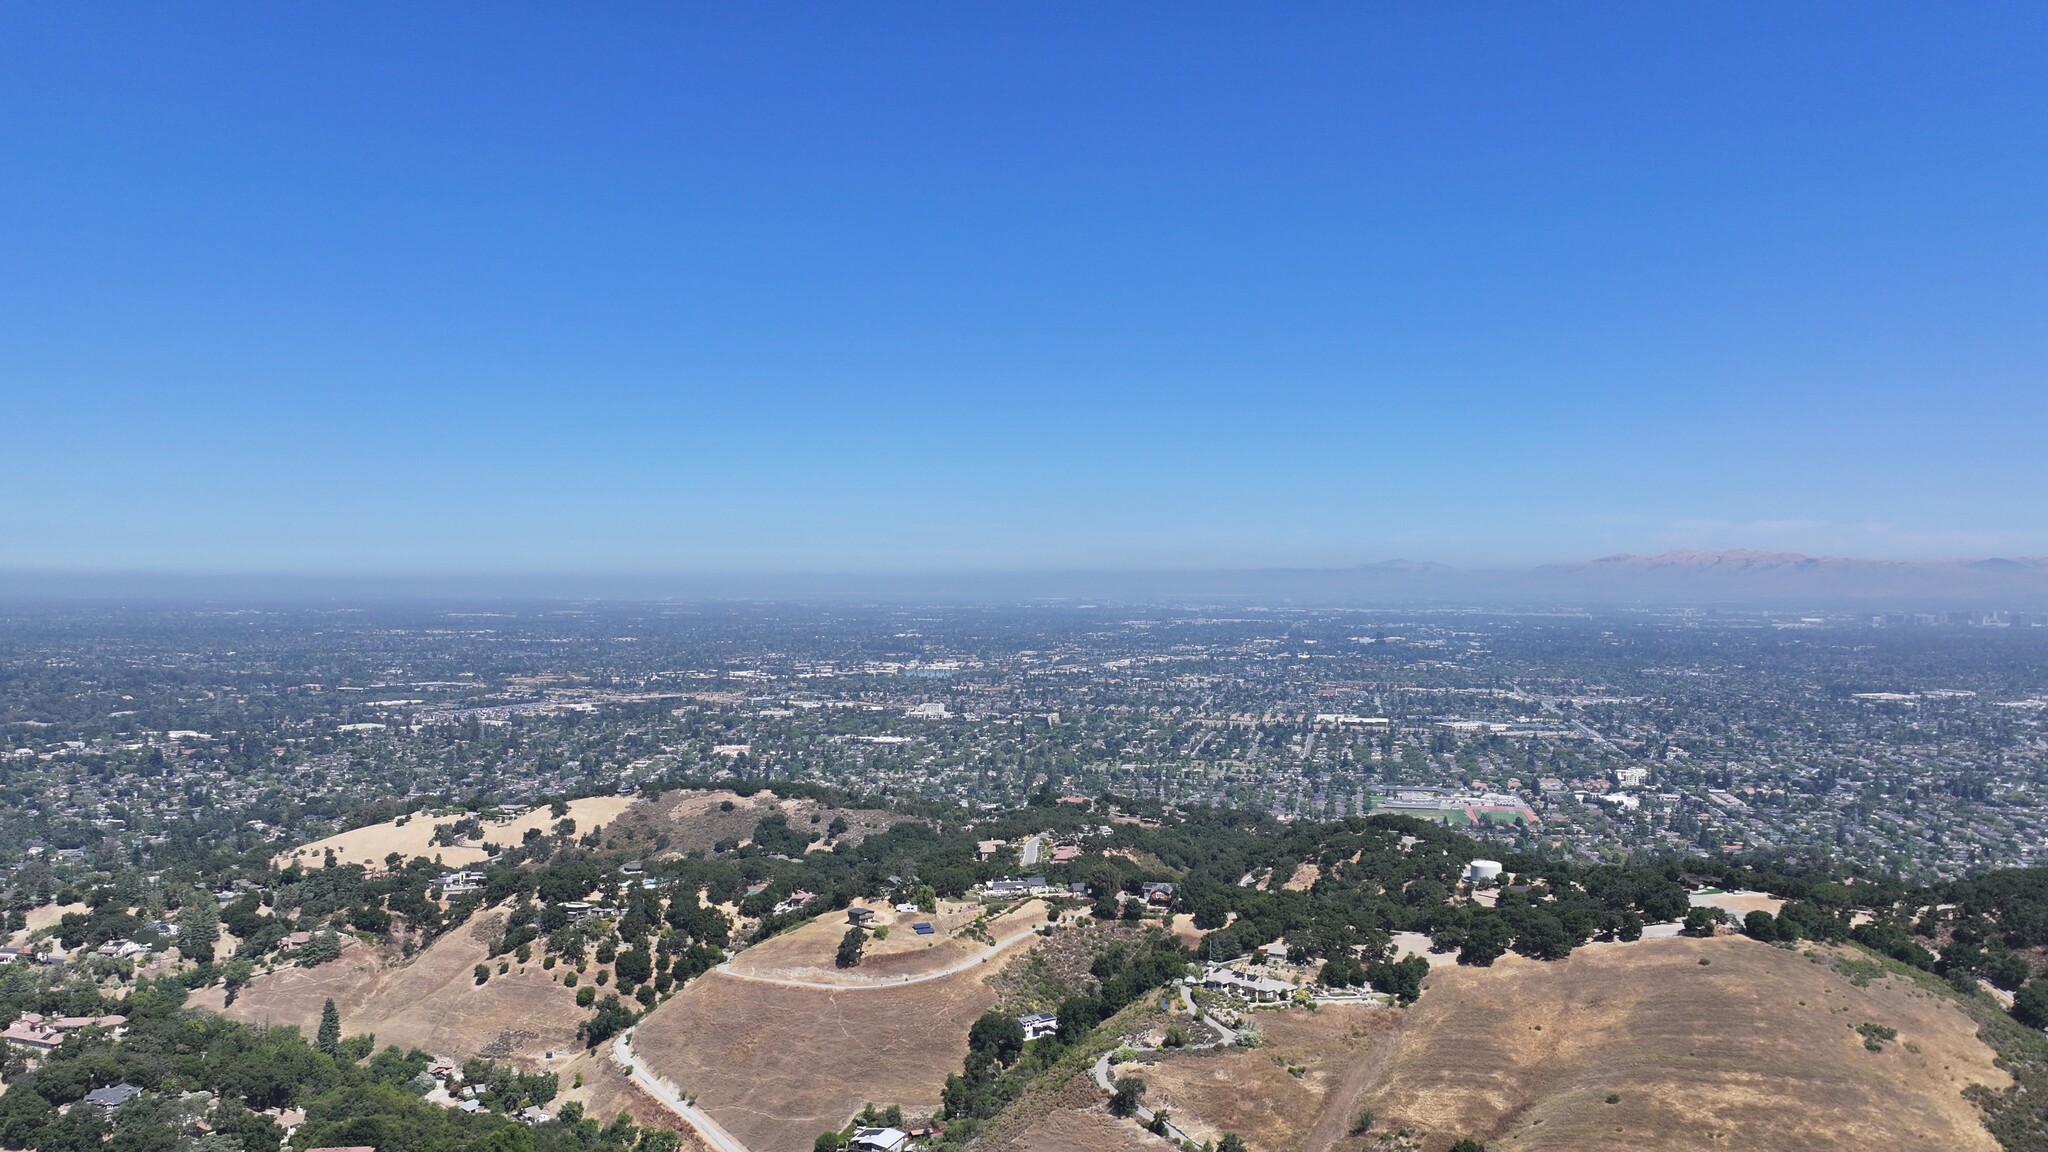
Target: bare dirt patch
(1756,1049)
(1738,904)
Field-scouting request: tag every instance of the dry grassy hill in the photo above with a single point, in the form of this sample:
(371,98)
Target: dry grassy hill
(369,845)
(806,952)
(432,1003)
(781,1057)
(1755,1050)
(1274,1094)
(686,821)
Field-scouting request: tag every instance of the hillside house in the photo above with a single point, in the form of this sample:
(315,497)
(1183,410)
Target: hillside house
(459,883)
(1257,989)
(879,1140)
(35,1031)
(860,917)
(1157,893)
(112,1097)
(1038,1025)
(1014,887)
(38,1037)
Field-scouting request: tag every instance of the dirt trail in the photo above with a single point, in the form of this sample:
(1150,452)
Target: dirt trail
(1341,1107)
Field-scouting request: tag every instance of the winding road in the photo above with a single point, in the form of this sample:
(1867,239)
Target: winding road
(716,1136)
(981,957)
(1225,1036)
(713,1134)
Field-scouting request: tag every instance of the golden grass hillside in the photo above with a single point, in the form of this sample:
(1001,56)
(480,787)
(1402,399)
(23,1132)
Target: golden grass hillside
(1756,1050)
(778,1059)
(369,845)
(432,1002)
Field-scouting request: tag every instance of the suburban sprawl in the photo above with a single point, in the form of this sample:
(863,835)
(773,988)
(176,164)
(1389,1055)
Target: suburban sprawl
(628,878)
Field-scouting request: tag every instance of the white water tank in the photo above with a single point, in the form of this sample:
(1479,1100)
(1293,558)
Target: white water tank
(1482,870)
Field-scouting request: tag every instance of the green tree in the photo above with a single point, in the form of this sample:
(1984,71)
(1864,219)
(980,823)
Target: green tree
(235,975)
(328,1038)
(634,966)
(1485,941)
(1231,1142)
(2030,1004)
(1129,1093)
(198,928)
(850,946)
(2007,970)
(996,1036)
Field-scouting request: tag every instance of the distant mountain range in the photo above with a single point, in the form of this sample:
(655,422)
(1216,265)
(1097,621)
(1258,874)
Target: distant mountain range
(1733,578)
(1740,575)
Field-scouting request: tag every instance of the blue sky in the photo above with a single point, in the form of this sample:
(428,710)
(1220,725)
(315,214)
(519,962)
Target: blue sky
(387,288)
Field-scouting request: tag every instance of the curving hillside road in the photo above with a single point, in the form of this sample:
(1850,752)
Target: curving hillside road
(982,956)
(1106,1080)
(713,1134)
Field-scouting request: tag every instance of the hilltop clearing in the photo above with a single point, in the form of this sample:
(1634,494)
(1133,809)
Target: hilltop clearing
(676,823)
(432,1002)
(1756,1048)
(779,1060)
(805,953)
(413,835)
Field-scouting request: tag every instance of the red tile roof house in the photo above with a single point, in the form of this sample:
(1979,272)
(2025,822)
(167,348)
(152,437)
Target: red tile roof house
(33,1030)
(32,1035)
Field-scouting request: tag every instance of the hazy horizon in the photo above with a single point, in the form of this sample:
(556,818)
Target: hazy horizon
(1741,580)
